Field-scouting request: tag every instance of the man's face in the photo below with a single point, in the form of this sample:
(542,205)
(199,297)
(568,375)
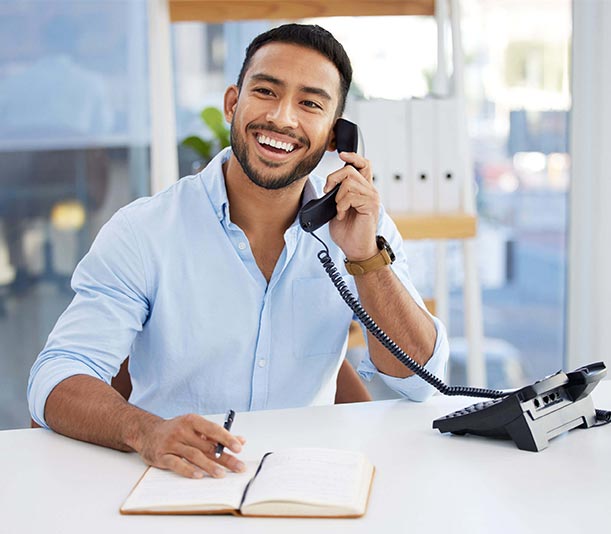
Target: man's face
(282,118)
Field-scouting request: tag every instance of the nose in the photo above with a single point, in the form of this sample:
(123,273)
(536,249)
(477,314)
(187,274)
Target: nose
(283,114)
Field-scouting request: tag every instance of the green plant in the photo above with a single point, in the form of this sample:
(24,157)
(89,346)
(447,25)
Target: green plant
(207,148)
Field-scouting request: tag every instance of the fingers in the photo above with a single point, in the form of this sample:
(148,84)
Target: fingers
(186,445)
(354,194)
(200,461)
(231,462)
(357,190)
(358,205)
(207,463)
(215,433)
(360,163)
(180,466)
(359,168)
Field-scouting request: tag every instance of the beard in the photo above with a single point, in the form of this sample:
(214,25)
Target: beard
(271,181)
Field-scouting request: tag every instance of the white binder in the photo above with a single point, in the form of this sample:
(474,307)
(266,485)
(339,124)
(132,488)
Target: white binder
(448,163)
(384,125)
(371,123)
(421,142)
(396,117)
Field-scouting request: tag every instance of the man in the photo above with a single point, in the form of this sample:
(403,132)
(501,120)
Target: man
(215,291)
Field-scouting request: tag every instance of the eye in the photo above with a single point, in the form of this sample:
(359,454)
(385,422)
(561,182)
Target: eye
(264,91)
(311,104)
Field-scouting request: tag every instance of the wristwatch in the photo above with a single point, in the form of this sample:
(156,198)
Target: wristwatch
(383,258)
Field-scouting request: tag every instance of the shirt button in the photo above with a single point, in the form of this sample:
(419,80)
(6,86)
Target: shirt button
(262,362)
(242,245)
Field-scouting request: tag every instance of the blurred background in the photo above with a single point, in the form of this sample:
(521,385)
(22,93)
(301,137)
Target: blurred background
(75,135)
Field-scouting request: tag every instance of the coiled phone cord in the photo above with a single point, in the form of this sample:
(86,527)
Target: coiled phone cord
(603,417)
(388,343)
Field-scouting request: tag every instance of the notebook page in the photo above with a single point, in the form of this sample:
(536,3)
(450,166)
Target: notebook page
(160,490)
(322,477)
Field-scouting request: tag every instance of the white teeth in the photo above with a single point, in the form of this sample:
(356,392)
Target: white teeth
(264,140)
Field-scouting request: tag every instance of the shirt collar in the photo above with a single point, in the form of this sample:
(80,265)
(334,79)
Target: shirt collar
(213,180)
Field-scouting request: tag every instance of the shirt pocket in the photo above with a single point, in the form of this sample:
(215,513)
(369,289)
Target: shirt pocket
(320,318)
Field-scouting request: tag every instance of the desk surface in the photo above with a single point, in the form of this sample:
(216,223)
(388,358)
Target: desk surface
(425,481)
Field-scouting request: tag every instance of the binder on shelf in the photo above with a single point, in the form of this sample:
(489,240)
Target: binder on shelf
(384,124)
(396,116)
(421,143)
(368,117)
(448,162)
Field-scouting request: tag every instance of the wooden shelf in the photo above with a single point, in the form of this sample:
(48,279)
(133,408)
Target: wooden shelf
(436,226)
(226,10)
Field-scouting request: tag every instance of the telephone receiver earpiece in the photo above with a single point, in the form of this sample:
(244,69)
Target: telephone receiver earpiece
(320,211)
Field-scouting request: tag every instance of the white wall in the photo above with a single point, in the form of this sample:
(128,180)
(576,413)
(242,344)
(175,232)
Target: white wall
(589,270)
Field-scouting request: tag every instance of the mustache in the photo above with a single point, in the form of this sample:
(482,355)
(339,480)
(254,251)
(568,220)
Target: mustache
(282,131)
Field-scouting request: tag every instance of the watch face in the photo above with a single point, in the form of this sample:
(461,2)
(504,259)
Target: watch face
(384,245)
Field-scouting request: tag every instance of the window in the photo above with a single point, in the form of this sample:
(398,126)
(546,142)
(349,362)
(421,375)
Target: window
(516,81)
(73,149)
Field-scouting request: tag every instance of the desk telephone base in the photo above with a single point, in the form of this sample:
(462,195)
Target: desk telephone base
(534,414)
(530,416)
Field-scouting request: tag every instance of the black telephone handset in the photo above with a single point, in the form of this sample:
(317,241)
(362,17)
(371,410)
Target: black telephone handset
(530,416)
(320,211)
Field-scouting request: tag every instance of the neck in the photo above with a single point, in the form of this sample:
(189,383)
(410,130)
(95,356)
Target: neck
(254,208)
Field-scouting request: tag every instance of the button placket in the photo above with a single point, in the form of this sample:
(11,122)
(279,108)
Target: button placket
(260,379)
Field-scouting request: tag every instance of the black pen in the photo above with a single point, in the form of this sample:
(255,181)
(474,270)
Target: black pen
(227,426)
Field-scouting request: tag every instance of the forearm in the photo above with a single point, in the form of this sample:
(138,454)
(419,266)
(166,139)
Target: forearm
(394,310)
(382,294)
(86,408)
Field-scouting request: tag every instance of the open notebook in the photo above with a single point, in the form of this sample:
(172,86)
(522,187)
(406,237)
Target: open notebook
(286,483)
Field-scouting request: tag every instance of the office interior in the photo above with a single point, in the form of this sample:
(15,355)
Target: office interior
(75,141)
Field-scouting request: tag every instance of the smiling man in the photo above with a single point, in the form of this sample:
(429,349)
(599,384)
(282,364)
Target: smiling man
(216,293)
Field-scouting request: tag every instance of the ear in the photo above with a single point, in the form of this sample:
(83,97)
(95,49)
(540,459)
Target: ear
(331,145)
(230,101)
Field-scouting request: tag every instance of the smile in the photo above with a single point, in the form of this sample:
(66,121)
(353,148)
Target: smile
(280,145)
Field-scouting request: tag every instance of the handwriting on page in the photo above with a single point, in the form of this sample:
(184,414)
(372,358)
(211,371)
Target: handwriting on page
(317,476)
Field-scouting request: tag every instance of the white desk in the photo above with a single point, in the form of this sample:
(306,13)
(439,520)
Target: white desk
(425,481)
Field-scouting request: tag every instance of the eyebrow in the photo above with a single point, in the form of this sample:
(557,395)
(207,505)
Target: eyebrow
(304,88)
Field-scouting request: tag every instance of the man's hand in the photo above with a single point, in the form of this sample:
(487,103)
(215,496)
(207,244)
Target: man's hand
(87,408)
(358,206)
(186,445)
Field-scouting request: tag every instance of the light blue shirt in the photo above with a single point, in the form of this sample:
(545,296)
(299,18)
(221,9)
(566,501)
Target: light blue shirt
(172,282)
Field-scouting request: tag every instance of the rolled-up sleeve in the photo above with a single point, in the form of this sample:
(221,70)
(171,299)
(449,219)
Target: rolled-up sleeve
(413,387)
(93,336)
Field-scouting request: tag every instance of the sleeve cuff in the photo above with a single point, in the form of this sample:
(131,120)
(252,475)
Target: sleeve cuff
(56,371)
(413,387)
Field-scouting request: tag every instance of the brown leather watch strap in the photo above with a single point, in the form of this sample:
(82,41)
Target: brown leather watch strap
(381,259)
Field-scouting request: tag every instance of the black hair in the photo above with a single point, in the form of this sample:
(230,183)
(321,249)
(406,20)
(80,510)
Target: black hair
(309,36)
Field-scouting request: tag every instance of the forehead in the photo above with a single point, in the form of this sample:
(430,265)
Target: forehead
(295,64)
